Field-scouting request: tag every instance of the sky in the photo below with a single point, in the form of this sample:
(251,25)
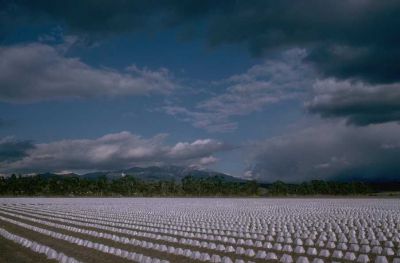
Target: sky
(265,90)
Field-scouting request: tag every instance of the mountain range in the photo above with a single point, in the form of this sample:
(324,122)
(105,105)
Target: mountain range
(154,173)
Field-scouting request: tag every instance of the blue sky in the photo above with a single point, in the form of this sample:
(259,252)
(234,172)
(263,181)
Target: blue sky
(228,86)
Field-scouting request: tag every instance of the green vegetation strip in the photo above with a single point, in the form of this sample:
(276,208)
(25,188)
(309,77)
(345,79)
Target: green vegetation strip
(188,186)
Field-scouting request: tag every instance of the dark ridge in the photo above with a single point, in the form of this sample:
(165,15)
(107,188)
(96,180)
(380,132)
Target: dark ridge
(161,173)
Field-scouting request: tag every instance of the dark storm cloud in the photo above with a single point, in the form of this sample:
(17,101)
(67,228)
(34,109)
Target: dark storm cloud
(330,152)
(346,39)
(108,17)
(12,150)
(353,38)
(358,103)
(375,63)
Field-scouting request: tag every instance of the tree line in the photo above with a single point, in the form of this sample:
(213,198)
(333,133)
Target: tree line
(320,187)
(16,185)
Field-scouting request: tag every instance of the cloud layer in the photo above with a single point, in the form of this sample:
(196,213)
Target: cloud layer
(358,103)
(341,58)
(329,151)
(110,152)
(285,77)
(347,39)
(12,149)
(38,71)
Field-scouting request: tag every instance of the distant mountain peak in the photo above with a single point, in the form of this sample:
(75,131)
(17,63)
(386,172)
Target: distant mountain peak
(161,173)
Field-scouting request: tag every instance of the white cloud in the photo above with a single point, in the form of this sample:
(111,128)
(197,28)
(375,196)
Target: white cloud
(204,162)
(114,151)
(208,160)
(37,71)
(188,150)
(283,78)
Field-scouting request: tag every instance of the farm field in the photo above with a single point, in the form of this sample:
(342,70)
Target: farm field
(199,230)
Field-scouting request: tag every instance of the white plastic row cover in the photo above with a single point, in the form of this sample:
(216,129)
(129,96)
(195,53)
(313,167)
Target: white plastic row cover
(38,248)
